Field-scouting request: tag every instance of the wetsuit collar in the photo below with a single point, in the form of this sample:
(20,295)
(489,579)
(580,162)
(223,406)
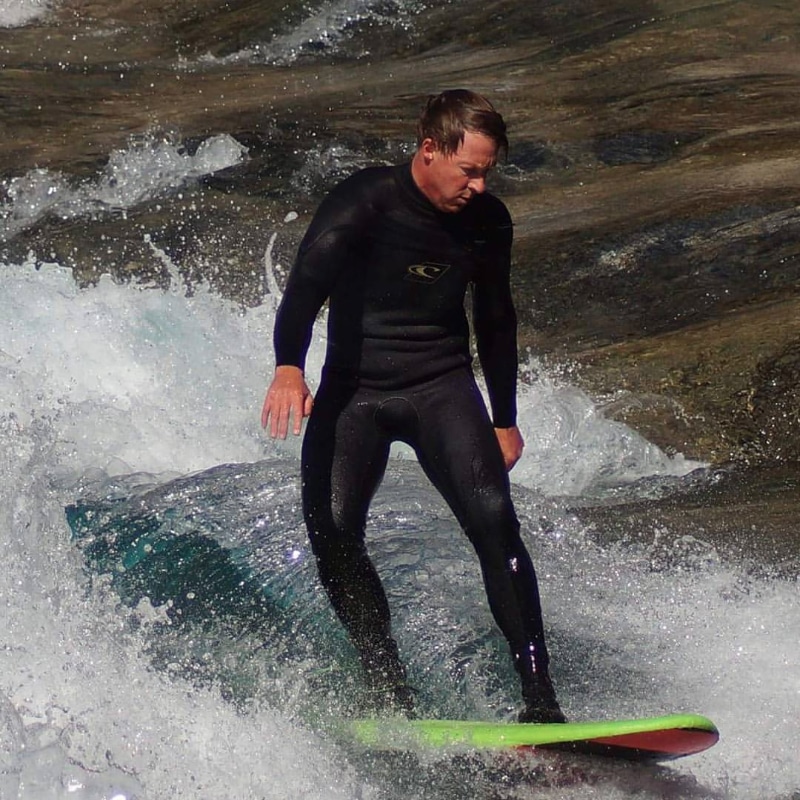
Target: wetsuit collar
(413,193)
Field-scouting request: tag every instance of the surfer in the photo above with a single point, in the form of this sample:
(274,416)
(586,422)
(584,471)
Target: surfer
(394,251)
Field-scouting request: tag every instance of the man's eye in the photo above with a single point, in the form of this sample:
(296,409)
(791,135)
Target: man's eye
(474,174)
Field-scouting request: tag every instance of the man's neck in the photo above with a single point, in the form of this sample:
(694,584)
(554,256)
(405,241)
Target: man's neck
(418,173)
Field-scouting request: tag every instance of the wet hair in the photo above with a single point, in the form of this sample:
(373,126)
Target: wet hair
(449,115)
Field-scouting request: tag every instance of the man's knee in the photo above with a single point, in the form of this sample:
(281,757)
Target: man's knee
(492,510)
(333,536)
(494,531)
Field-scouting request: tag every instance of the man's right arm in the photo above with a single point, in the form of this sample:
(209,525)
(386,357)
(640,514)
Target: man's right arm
(288,396)
(323,253)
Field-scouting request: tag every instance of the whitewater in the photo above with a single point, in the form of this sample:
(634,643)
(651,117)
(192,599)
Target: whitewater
(118,380)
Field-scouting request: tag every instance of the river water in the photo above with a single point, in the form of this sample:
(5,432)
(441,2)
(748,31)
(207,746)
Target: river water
(135,403)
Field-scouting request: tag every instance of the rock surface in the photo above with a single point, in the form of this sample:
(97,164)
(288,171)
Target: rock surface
(654,175)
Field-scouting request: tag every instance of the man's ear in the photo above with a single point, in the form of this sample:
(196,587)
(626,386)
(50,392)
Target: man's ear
(428,150)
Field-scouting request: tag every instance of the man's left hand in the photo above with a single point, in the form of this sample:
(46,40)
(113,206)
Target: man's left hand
(511,445)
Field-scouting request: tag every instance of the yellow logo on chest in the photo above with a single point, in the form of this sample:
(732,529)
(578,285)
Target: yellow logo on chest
(427,272)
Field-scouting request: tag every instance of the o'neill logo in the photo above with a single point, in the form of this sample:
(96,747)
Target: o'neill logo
(426,272)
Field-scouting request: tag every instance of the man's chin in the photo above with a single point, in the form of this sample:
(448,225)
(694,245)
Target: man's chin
(453,206)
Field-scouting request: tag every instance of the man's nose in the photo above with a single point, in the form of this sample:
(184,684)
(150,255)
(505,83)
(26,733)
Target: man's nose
(477,185)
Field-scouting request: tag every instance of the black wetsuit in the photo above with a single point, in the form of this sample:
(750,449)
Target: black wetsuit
(398,367)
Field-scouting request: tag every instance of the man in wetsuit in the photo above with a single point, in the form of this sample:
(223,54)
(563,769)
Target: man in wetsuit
(394,250)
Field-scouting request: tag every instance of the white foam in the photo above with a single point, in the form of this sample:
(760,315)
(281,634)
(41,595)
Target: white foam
(571,448)
(117,379)
(16,13)
(144,170)
(97,382)
(326,28)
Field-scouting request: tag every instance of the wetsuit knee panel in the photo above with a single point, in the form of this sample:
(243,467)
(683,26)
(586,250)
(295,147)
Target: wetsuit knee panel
(330,542)
(493,529)
(491,510)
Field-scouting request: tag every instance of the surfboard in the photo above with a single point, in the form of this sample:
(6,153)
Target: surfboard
(650,739)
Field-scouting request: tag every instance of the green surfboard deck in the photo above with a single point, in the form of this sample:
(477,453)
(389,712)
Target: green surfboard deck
(651,738)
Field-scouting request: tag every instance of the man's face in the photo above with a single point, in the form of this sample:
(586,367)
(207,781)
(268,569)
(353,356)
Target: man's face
(451,180)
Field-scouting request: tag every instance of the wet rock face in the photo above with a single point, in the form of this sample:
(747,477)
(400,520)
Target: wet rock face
(654,172)
(686,321)
(652,280)
(774,404)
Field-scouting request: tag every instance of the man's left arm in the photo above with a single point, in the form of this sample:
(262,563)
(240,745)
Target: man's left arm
(495,325)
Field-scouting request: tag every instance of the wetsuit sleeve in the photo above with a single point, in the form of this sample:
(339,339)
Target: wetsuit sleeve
(324,252)
(495,326)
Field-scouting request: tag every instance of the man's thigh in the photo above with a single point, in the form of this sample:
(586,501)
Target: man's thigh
(343,459)
(458,448)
